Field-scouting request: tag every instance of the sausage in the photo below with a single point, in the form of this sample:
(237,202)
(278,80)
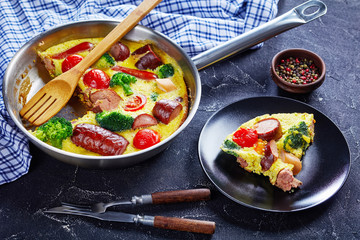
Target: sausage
(142,50)
(144,120)
(119,51)
(269,128)
(286,181)
(270,155)
(149,61)
(98,140)
(242,162)
(104,100)
(166,110)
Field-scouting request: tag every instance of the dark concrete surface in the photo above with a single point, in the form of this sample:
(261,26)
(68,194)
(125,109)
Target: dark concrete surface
(335,37)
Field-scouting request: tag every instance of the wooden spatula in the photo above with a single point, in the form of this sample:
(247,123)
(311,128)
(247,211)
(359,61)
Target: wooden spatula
(50,99)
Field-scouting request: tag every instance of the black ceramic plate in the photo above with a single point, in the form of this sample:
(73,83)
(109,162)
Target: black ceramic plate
(326,163)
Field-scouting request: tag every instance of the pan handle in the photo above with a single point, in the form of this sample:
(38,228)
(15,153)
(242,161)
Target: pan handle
(297,16)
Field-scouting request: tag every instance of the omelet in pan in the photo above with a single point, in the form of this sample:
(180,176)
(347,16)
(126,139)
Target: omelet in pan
(135,91)
(273,146)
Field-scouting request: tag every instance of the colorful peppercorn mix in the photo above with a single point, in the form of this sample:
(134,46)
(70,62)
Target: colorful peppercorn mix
(297,70)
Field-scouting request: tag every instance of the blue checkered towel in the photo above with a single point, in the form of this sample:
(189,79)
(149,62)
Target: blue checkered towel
(195,25)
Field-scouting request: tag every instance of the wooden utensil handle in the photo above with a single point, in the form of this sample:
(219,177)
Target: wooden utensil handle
(190,195)
(117,33)
(182,224)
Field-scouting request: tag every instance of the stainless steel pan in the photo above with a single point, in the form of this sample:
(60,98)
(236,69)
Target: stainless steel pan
(26,65)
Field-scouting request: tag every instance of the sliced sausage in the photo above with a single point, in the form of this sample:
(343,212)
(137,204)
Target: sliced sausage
(270,155)
(142,50)
(286,181)
(144,120)
(166,110)
(242,162)
(119,51)
(269,128)
(104,100)
(98,140)
(148,61)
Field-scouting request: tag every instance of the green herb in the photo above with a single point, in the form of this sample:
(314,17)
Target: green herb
(154,96)
(228,146)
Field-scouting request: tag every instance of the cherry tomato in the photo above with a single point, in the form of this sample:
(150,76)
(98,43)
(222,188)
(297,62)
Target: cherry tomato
(146,138)
(245,137)
(135,103)
(70,62)
(96,78)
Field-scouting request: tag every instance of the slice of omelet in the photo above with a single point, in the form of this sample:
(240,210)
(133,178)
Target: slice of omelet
(273,145)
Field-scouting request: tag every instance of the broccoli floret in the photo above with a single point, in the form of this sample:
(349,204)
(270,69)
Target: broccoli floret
(114,120)
(165,71)
(54,131)
(105,61)
(124,80)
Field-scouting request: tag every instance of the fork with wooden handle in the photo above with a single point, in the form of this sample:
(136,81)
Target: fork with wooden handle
(50,99)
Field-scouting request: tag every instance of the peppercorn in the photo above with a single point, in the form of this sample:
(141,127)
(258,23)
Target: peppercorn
(297,70)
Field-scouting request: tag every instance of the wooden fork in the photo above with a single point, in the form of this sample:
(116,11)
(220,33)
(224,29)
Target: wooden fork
(50,99)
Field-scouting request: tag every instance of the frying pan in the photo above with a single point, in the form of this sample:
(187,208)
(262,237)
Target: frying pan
(26,73)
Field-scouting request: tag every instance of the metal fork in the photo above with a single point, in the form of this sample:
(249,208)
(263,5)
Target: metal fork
(178,224)
(177,196)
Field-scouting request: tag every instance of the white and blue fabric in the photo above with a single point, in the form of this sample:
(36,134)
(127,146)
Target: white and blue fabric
(195,25)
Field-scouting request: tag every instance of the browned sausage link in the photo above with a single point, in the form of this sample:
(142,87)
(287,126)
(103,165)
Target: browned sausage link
(120,51)
(166,110)
(268,159)
(286,181)
(148,61)
(104,100)
(144,120)
(98,140)
(268,129)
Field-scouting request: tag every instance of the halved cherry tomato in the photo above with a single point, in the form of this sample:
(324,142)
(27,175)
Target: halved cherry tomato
(96,78)
(135,103)
(146,138)
(70,62)
(245,137)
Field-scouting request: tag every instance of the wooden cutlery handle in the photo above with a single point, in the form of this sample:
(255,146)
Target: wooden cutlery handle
(190,195)
(182,224)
